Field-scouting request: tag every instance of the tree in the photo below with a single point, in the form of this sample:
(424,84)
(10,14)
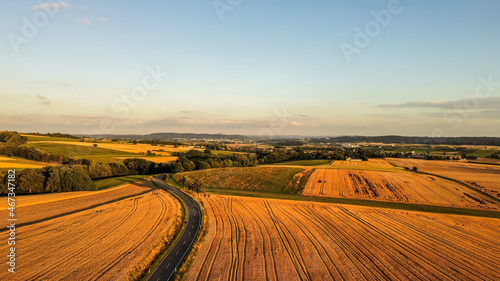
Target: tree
(97,171)
(202,165)
(414,169)
(30,181)
(75,178)
(95,144)
(118,169)
(137,166)
(3,183)
(52,179)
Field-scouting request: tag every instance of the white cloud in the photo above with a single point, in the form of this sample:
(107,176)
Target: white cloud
(52,6)
(84,21)
(102,19)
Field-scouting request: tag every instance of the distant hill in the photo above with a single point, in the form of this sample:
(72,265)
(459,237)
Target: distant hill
(415,140)
(173,136)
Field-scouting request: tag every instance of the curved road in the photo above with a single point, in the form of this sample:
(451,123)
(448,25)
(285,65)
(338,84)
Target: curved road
(169,264)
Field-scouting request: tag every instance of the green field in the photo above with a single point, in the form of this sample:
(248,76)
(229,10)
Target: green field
(79,152)
(269,179)
(110,182)
(306,162)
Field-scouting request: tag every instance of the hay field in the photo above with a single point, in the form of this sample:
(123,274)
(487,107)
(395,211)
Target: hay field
(111,242)
(379,163)
(256,239)
(483,177)
(390,186)
(17,163)
(269,178)
(41,207)
(125,147)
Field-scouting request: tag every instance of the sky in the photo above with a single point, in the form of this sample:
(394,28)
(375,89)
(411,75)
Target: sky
(268,68)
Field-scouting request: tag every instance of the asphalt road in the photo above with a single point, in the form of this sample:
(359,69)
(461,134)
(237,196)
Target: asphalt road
(169,264)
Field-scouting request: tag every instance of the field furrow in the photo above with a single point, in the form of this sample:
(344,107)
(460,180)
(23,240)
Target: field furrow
(293,240)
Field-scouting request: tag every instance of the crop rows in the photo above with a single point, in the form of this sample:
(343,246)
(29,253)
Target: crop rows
(255,239)
(105,243)
(391,186)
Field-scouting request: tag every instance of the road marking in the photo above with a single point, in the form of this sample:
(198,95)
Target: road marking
(192,226)
(184,243)
(157,279)
(189,234)
(176,253)
(167,265)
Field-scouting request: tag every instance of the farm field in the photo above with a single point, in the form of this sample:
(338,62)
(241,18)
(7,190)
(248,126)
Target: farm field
(483,177)
(17,163)
(306,162)
(393,186)
(256,239)
(114,241)
(107,152)
(269,178)
(378,163)
(41,207)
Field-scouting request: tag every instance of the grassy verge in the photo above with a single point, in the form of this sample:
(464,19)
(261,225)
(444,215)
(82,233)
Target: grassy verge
(167,245)
(115,181)
(359,202)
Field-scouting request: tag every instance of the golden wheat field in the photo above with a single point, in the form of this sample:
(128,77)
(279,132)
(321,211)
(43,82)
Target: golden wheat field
(114,241)
(268,239)
(370,163)
(393,186)
(16,163)
(34,199)
(37,211)
(127,147)
(485,178)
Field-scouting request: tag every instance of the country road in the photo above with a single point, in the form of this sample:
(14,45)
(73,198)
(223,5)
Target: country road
(169,264)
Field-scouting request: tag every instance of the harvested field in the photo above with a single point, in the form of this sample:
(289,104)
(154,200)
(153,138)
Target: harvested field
(124,147)
(112,242)
(483,177)
(380,163)
(41,207)
(16,163)
(255,239)
(390,186)
(270,179)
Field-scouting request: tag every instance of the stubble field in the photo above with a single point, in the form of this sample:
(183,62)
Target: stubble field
(483,177)
(393,186)
(256,239)
(114,241)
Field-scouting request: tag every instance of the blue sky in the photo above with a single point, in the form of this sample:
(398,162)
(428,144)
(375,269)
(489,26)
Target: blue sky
(251,67)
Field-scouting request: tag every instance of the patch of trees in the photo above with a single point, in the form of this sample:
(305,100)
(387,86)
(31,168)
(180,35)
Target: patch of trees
(11,138)
(31,153)
(60,178)
(195,185)
(55,135)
